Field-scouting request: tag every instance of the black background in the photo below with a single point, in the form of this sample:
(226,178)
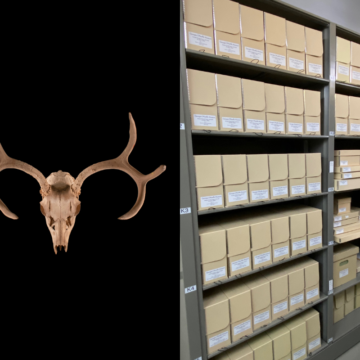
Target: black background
(68,84)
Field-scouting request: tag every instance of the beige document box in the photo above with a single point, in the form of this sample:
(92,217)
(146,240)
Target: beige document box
(258,173)
(355,64)
(312,279)
(279,173)
(297,327)
(295,36)
(343,53)
(280,336)
(296,278)
(342,205)
(313,173)
(349,300)
(262,345)
(280,236)
(354,115)
(314,52)
(314,228)
(239,352)
(339,306)
(297,174)
(294,109)
(312,102)
(275,109)
(344,263)
(312,318)
(341,114)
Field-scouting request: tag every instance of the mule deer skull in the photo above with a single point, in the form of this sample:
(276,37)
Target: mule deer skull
(60,191)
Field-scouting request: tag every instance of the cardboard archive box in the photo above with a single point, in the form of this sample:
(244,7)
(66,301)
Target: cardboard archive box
(341,114)
(239,296)
(279,173)
(280,236)
(355,64)
(217,319)
(275,109)
(312,319)
(262,345)
(342,60)
(344,263)
(296,277)
(314,52)
(349,300)
(339,306)
(258,177)
(275,41)
(252,35)
(354,213)
(229,102)
(298,232)
(354,115)
(297,173)
(314,228)
(347,169)
(351,235)
(254,106)
(348,184)
(260,299)
(239,352)
(209,181)
(312,279)
(294,110)
(354,175)
(202,99)
(313,173)
(213,252)
(297,327)
(295,38)
(198,25)
(235,180)
(342,205)
(280,336)
(312,117)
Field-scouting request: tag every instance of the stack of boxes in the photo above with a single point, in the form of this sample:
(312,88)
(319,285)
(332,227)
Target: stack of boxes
(347,61)
(347,170)
(355,64)
(345,302)
(225,28)
(347,115)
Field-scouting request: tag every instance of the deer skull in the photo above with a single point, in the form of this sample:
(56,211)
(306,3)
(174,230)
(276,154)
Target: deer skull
(60,191)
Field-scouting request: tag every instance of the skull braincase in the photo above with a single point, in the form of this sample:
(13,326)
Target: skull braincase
(60,207)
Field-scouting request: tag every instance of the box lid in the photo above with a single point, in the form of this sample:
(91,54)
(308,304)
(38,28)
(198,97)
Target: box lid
(339,300)
(347,153)
(311,271)
(294,101)
(275,32)
(251,23)
(314,221)
(312,319)
(313,41)
(297,225)
(297,327)
(260,291)
(238,236)
(278,284)
(341,106)
(296,166)
(228,91)
(280,336)
(234,169)
(212,242)
(198,12)
(343,251)
(278,164)
(355,54)
(260,234)
(208,170)
(258,167)
(350,294)
(280,230)
(343,50)
(253,95)
(226,16)
(342,200)
(275,98)
(201,86)
(313,164)
(296,279)
(354,107)
(312,101)
(295,36)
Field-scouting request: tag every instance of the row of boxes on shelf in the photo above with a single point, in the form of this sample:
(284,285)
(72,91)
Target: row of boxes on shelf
(226,103)
(345,302)
(237,309)
(347,115)
(296,338)
(347,170)
(345,263)
(264,177)
(236,244)
(244,33)
(347,61)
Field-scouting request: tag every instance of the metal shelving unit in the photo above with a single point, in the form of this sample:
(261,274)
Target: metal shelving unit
(336,338)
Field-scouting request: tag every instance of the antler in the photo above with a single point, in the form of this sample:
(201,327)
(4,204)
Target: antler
(8,163)
(122,163)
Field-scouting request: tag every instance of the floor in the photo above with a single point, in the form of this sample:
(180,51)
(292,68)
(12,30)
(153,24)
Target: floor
(352,354)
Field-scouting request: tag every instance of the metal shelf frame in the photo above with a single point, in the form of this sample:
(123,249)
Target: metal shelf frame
(336,338)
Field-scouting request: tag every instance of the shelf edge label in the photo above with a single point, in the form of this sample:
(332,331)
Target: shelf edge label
(185,211)
(182,126)
(190,289)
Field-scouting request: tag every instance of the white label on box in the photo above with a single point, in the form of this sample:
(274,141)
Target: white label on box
(276,125)
(343,273)
(343,182)
(337,232)
(281,251)
(254,53)
(298,189)
(312,293)
(314,343)
(337,224)
(229,47)
(299,353)
(277,59)
(337,218)
(295,127)
(238,329)
(355,127)
(237,195)
(297,299)
(301,244)
(259,259)
(343,209)
(200,40)
(346,169)
(314,186)
(231,123)
(240,264)
(343,70)
(215,273)
(347,176)
(218,339)
(315,241)
(280,190)
(315,68)
(343,162)
(280,307)
(356,75)
(253,124)
(261,317)
(312,127)
(205,120)
(211,201)
(296,64)
(331,170)
(341,127)
(260,194)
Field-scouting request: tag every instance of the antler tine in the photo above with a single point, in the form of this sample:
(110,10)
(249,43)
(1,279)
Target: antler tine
(122,163)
